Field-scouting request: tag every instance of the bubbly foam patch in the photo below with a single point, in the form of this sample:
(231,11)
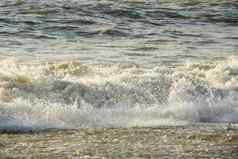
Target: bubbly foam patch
(74,95)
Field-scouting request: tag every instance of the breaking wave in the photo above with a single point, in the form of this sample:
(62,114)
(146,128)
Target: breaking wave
(74,95)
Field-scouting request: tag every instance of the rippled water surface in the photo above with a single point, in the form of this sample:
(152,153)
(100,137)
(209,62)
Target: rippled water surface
(138,31)
(117,63)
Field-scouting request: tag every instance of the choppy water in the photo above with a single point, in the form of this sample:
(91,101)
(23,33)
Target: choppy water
(108,63)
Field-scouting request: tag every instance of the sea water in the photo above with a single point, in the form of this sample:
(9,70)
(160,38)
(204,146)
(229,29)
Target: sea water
(109,63)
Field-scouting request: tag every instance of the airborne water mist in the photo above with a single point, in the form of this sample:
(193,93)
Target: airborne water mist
(75,95)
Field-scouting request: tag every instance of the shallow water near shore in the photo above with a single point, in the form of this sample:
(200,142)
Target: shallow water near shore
(193,141)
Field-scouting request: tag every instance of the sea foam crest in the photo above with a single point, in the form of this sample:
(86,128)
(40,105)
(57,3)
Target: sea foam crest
(74,95)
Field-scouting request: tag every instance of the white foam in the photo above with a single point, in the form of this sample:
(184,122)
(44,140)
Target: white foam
(73,95)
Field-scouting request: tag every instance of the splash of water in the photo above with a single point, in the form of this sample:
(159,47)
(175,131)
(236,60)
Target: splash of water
(74,95)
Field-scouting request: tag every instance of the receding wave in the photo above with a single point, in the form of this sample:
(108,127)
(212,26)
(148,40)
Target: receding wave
(75,95)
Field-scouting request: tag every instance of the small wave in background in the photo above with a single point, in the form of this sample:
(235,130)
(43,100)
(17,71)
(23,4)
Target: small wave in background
(109,31)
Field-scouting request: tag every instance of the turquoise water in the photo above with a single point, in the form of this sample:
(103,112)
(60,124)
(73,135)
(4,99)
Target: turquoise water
(108,63)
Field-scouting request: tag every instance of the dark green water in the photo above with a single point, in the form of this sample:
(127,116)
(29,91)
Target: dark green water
(138,31)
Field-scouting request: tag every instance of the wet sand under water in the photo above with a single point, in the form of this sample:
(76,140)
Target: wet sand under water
(194,141)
